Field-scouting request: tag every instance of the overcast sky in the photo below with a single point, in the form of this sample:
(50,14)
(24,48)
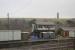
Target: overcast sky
(37,8)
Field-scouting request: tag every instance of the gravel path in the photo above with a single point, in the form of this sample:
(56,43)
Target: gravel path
(45,46)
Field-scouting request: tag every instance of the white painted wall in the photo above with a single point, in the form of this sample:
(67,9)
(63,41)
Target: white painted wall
(17,35)
(71,33)
(6,35)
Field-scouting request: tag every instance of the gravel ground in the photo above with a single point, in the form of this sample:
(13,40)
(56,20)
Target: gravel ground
(45,46)
(30,48)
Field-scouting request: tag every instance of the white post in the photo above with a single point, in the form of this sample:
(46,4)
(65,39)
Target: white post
(33,27)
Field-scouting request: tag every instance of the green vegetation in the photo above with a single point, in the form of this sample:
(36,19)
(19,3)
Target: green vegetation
(59,32)
(25,24)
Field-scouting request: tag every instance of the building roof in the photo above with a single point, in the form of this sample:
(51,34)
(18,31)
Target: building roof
(45,23)
(25,32)
(68,28)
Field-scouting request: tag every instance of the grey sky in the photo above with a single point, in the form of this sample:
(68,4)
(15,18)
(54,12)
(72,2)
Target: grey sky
(37,8)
